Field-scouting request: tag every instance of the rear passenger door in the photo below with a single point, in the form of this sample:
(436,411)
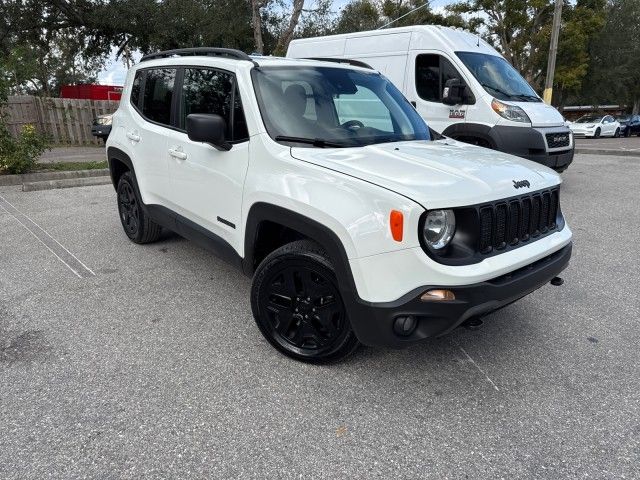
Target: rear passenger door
(152,98)
(206,183)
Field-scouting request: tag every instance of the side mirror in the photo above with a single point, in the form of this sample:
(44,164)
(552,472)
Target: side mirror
(208,128)
(453,92)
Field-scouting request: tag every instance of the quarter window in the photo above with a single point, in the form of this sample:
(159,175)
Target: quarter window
(158,94)
(135,88)
(432,72)
(206,90)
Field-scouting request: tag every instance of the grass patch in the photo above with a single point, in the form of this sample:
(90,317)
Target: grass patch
(69,166)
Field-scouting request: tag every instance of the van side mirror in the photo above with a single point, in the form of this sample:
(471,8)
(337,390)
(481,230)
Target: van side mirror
(208,128)
(453,92)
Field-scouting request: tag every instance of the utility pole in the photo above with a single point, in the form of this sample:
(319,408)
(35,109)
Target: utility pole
(553,49)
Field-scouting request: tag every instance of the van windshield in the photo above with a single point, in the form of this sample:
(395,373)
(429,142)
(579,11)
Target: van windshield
(334,107)
(498,77)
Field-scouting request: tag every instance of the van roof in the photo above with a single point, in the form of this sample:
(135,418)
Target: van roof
(415,37)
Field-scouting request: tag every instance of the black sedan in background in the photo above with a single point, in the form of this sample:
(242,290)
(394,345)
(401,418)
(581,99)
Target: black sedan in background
(629,125)
(101,127)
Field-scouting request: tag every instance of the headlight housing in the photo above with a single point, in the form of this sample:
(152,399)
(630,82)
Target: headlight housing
(510,112)
(438,228)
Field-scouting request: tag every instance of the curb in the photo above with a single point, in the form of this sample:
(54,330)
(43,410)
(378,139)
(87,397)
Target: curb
(65,183)
(6,180)
(617,153)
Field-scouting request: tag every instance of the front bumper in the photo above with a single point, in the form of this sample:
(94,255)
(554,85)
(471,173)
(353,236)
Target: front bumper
(531,143)
(373,323)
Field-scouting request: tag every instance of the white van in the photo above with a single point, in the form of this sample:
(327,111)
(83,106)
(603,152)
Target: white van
(459,84)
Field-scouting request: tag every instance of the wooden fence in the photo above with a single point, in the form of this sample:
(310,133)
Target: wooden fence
(67,121)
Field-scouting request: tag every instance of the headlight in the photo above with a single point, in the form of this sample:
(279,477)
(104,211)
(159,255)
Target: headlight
(439,227)
(510,112)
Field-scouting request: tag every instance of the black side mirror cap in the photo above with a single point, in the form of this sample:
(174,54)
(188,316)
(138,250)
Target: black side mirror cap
(208,128)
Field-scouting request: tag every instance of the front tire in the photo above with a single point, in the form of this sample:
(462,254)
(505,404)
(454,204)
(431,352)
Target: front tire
(297,305)
(135,221)
(597,133)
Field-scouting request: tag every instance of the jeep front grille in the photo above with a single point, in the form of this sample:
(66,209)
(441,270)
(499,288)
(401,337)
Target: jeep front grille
(520,220)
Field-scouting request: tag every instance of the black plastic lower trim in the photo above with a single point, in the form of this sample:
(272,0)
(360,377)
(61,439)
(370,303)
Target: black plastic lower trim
(373,322)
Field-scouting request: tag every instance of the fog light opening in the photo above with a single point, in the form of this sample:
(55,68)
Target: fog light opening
(405,325)
(437,295)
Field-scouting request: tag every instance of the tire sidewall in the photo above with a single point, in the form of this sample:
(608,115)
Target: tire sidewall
(127,178)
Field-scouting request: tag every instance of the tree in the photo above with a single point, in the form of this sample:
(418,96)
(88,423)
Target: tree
(616,57)
(357,16)
(517,28)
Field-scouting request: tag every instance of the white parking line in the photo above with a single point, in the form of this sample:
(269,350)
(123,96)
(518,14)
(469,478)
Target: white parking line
(59,251)
(479,369)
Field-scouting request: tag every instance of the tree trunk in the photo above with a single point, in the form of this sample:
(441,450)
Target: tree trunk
(636,106)
(257,26)
(287,35)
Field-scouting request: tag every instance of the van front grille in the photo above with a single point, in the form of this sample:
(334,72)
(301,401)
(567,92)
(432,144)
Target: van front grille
(558,140)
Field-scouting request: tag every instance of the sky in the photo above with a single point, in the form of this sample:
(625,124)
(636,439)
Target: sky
(114,71)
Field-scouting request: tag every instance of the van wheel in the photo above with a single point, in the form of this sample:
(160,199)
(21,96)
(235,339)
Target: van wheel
(297,305)
(135,221)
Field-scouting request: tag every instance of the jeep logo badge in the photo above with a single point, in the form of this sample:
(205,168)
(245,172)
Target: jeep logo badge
(521,183)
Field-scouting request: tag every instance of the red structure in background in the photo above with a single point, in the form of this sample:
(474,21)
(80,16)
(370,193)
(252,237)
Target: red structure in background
(91,92)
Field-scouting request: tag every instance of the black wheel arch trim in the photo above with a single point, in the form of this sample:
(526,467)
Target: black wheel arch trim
(114,153)
(312,229)
(470,130)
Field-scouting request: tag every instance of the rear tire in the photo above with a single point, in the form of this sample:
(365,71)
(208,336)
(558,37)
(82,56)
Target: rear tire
(617,134)
(133,216)
(297,305)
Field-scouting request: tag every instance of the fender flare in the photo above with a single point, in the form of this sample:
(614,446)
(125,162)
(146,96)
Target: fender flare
(470,130)
(114,153)
(306,226)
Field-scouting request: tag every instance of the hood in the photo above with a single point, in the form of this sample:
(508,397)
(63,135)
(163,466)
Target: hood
(541,114)
(438,174)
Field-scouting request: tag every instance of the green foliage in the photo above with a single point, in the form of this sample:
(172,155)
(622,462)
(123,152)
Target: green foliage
(20,155)
(357,16)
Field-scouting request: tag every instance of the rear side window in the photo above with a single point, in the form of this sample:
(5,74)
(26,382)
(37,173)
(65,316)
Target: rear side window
(206,90)
(158,94)
(432,72)
(135,88)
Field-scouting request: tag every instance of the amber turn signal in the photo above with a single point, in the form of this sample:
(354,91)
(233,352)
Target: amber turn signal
(437,296)
(396,223)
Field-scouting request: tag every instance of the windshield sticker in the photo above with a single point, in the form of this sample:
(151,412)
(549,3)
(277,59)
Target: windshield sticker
(457,113)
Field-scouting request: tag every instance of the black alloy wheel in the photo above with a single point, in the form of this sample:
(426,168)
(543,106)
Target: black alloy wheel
(129,209)
(298,307)
(135,221)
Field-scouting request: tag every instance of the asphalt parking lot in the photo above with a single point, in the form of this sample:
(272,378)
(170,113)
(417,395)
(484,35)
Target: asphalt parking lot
(144,361)
(626,146)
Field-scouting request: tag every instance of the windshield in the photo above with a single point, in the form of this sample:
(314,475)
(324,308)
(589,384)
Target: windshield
(589,119)
(498,77)
(337,107)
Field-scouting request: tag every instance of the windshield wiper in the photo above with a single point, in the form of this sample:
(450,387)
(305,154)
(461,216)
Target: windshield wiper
(497,90)
(316,142)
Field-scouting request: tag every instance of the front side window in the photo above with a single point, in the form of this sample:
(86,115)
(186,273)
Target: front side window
(158,94)
(336,106)
(432,73)
(211,91)
(498,77)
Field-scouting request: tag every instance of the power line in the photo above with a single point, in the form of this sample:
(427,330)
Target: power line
(426,4)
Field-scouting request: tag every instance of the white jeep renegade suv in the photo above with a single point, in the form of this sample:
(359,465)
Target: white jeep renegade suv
(357,222)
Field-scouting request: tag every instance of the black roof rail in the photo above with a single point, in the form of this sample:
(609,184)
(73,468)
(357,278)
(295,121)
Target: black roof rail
(355,63)
(201,51)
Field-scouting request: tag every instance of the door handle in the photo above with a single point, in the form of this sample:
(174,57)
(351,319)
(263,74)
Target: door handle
(133,137)
(177,154)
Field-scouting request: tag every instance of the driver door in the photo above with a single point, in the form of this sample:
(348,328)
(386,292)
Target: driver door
(425,88)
